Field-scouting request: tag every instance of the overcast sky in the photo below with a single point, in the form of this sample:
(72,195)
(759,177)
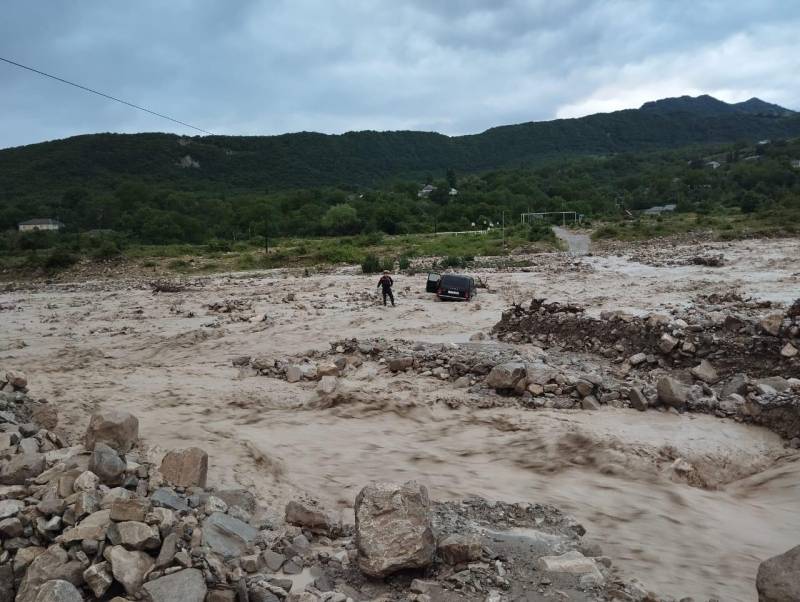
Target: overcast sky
(453,66)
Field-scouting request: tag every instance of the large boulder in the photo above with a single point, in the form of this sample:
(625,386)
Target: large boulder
(706,372)
(778,578)
(58,590)
(393,528)
(20,468)
(106,464)
(460,549)
(506,376)
(227,536)
(119,430)
(185,467)
(98,578)
(134,535)
(672,392)
(187,585)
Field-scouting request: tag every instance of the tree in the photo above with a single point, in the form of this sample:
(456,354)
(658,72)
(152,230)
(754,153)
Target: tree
(451,179)
(341,219)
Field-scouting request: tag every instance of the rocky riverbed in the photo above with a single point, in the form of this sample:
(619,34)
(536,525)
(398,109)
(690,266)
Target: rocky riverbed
(298,386)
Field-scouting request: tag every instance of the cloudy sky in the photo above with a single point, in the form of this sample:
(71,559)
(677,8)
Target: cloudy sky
(453,66)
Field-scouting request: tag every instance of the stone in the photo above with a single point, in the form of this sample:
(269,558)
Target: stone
(294,374)
(168,550)
(221,595)
(460,549)
(10,508)
(398,364)
(52,564)
(86,481)
(778,578)
(227,536)
(637,358)
(166,497)
(241,498)
(119,430)
(309,514)
(638,399)
(590,403)
(789,350)
(20,468)
(250,563)
(129,568)
(187,585)
(572,562)
(771,324)
(58,590)
(327,385)
(6,583)
(29,445)
(10,527)
(25,557)
(134,535)
(505,376)
(736,384)
(106,464)
(133,509)
(94,526)
(672,392)
(272,560)
(185,467)
(667,343)
(293,567)
(16,379)
(98,578)
(328,369)
(705,371)
(583,387)
(393,527)
(85,504)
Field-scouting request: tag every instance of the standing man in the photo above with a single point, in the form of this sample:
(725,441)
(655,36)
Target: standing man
(385,283)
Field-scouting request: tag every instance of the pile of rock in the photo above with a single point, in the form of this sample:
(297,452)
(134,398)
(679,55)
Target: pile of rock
(735,340)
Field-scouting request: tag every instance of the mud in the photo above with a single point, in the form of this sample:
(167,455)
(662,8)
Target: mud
(167,357)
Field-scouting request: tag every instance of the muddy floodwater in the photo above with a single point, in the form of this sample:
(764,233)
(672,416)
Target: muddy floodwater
(168,359)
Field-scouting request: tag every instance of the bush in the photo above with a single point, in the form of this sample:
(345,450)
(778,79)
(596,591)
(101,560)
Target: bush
(371,264)
(59,258)
(606,232)
(453,261)
(106,249)
(539,231)
(388,264)
(404,262)
(218,246)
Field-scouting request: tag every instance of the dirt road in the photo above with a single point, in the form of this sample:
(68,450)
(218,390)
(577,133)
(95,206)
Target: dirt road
(167,358)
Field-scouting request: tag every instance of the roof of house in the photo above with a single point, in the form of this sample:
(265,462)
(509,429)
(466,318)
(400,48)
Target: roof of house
(41,222)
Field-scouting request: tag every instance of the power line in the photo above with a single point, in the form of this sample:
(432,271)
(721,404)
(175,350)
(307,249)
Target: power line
(125,102)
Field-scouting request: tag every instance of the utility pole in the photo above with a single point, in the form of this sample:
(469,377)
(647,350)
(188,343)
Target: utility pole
(504,229)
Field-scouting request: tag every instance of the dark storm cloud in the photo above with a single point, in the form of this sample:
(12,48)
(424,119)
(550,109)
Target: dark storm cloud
(251,67)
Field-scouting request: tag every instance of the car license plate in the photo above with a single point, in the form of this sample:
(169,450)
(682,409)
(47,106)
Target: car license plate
(453,293)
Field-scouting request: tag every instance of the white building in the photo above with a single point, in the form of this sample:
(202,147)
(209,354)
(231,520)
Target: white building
(40,224)
(426,190)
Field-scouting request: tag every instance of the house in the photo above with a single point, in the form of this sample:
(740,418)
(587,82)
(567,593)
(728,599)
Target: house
(763,142)
(659,209)
(714,164)
(453,192)
(795,163)
(426,190)
(40,224)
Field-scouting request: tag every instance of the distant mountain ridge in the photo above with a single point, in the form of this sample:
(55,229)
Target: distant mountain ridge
(261,164)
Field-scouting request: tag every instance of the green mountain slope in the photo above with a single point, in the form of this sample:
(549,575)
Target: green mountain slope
(261,164)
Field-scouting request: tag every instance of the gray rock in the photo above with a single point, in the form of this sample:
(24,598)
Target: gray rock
(106,464)
(58,590)
(53,564)
(272,560)
(129,568)
(583,387)
(242,498)
(134,535)
(736,384)
(187,585)
(168,550)
(637,358)
(119,430)
(166,497)
(590,403)
(308,514)
(133,509)
(10,508)
(506,376)
(398,364)
(6,583)
(9,528)
(227,536)
(638,399)
(98,578)
(778,578)
(393,528)
(778,383)
(667,343)
(21,468)
(672,392)
(705,371)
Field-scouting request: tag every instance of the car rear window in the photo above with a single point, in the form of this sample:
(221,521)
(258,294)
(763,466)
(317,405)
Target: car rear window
(457,282)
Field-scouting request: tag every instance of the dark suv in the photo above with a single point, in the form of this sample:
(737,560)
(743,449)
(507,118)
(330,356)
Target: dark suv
(456,287)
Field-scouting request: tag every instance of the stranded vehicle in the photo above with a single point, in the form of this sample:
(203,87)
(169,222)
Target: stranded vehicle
(455,287)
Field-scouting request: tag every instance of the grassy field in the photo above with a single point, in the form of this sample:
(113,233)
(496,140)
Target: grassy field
(378,250)
(722,226)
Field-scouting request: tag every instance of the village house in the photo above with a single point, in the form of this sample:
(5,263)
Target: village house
(40,224)
(426,190)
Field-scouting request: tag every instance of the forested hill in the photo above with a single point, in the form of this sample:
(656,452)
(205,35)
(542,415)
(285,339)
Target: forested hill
(261,164)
